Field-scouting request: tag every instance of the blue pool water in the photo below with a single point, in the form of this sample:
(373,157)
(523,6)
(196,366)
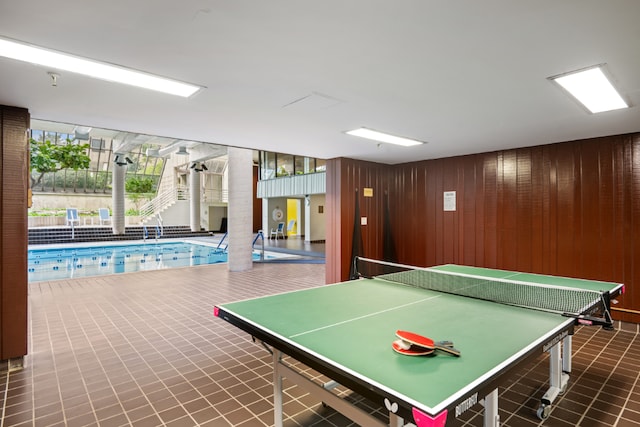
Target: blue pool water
(71,262)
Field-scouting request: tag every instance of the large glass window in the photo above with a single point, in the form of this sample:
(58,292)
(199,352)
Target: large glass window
(275,165)
(97,178)
(285,165)
(268,165)
(299,165)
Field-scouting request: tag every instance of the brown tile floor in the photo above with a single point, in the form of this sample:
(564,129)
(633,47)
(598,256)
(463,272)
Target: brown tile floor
(144,349)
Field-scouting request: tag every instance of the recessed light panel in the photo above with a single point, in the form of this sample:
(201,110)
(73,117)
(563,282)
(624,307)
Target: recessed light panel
(593,89)
(99,70)
(383,137)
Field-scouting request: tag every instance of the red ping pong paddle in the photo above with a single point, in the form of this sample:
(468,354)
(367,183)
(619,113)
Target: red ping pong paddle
(421,341)
(410,350)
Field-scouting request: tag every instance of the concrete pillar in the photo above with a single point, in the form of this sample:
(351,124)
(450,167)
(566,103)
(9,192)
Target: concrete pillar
(117,197)
(307,218)
(240,221)
(194,204)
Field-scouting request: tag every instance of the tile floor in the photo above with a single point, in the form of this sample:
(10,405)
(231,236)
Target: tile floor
(144,349)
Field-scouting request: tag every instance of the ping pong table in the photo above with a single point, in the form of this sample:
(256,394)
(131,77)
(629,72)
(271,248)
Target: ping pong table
(345,332)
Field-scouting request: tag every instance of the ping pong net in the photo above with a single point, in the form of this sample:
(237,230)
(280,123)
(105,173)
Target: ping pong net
(586,306)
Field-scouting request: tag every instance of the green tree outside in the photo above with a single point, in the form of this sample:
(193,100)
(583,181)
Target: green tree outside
(138,188)
(49,157)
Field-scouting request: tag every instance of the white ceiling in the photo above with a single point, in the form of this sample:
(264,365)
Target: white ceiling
(466,76)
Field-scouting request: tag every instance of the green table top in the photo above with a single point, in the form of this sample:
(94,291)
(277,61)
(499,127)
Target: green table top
(350,326)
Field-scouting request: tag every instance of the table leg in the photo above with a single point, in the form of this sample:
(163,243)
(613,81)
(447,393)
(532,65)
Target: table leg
(491,416)
(277,389)
(559,368)
(566,354)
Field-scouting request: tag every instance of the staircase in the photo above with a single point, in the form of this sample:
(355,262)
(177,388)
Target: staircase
(57,235)
(164,200)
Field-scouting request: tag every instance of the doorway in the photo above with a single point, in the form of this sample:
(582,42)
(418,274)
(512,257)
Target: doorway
(293,213)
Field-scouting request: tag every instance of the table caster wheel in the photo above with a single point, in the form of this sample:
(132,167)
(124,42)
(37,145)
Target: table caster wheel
(543,411)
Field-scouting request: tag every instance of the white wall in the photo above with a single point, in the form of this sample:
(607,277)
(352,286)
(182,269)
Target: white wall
(81,201)
(267,213)
(315,225)
(177,214)
(212,217)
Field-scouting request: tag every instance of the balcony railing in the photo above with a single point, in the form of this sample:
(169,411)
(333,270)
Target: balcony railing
(296,185)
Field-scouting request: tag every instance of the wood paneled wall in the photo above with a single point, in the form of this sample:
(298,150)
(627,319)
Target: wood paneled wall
(344,177)
(257,202)
(14,174)
(570,209)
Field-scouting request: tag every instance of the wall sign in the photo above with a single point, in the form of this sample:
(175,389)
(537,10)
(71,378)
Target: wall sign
(449,201)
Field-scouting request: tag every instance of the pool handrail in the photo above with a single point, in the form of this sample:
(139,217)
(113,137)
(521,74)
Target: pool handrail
(260,235)
(220,243)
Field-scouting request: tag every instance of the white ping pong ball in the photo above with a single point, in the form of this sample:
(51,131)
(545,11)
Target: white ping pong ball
(403,344)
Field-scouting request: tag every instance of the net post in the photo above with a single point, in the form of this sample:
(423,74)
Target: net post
(354,269)
(606,301)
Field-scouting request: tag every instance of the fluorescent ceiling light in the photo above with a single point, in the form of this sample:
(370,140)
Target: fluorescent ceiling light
(98,70)
(383,137)
(592,88)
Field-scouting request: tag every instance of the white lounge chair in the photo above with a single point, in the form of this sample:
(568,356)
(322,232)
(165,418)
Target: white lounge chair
(103,213)
(292,223)
(277,231)
(72,216)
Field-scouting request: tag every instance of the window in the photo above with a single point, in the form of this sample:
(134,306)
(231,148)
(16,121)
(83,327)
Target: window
(299,163)
(276,165)
(97,178)
(268,165)
(285,165)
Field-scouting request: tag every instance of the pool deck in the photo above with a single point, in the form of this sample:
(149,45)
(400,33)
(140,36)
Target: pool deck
(292,246)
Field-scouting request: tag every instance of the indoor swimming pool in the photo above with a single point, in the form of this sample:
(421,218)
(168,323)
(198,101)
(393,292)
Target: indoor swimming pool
(53,263)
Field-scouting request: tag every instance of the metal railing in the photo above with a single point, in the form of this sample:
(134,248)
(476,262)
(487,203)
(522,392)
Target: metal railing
(215,195)
(161,201)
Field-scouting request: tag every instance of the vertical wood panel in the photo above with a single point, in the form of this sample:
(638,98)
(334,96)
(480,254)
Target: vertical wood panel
(606,207)
(448,236)
(507,211)
(481,214)
(619,212)
(548,221)
(430,189)
(523,221)
(539,202)
(14,123)
(632,223)
(334,218)
(257,202)
(565,199)
(423,241)
(469,212)
(490,176)
(590,209)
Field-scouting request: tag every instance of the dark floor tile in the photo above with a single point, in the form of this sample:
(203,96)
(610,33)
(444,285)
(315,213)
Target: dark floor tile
(144,349)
